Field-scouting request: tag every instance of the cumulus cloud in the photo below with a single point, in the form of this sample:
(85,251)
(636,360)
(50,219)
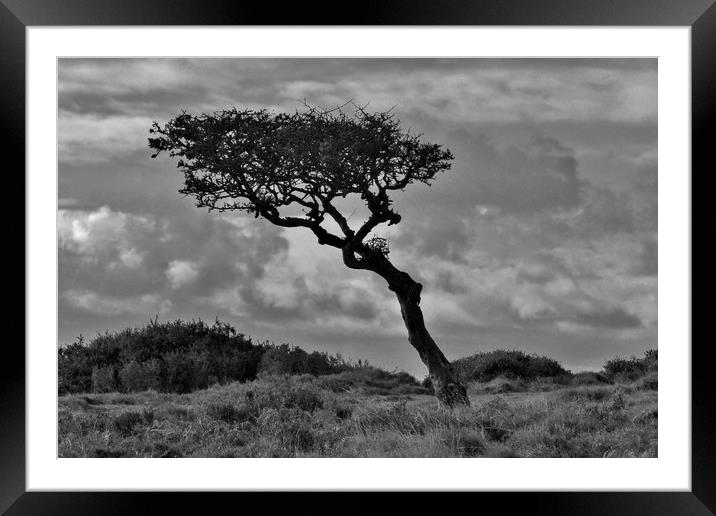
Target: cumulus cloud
(103,234)
(131,258)
(181,272)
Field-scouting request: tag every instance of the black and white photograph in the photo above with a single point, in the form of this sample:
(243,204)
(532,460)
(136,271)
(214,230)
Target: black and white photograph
(357,257)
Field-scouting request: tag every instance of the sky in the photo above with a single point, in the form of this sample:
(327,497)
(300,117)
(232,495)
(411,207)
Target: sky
(542,236)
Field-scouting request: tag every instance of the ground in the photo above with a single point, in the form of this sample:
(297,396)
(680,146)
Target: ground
(306,416)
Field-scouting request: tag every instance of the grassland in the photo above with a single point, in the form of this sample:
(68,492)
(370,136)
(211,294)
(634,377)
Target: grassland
(337,416)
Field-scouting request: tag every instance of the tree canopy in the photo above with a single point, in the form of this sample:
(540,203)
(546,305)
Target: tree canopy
(263,163)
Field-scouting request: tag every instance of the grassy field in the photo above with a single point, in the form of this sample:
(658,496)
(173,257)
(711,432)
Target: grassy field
(307,416)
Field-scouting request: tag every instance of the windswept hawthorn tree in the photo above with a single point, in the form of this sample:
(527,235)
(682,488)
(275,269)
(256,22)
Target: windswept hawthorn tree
(293,169)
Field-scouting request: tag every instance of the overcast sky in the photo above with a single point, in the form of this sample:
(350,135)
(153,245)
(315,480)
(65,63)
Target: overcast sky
(542,237)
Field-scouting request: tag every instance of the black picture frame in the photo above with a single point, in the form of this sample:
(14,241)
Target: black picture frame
(17,15)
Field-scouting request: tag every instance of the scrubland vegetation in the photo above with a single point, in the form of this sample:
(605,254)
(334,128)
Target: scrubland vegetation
(180,357)
(285,402)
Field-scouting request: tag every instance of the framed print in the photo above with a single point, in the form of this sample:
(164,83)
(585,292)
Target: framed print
(429,250)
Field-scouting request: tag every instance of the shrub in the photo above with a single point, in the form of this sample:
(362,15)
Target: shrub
(291,360)
(181,356)
(140,377)
(486,366)
(103,379)
(200,353)
(651,359)
(282,360)
(502,385)
(74,368)
(631,368)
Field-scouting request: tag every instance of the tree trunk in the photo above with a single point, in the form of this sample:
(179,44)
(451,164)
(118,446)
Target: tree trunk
(448,388)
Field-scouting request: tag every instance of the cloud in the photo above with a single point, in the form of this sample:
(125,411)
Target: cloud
(577,288)
(534,175)
(493,92)
(425,91)
(496,193)
(98,304)
(184,257)
(131,258)
(97,139)
(181,273)
(616,318)
(563,300)
(648,261)
(121,76)
(103,234)
(602,212)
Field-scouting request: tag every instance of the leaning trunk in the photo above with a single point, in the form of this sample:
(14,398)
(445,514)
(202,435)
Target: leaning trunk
(448,388)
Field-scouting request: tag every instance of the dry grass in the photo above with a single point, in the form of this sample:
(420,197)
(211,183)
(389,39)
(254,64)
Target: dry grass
(306,417)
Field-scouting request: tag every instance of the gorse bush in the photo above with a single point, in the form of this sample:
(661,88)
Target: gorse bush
(631,368)
(140,377)
(486,366)
(103,379)
(285,359)
(174,356)
(181,356)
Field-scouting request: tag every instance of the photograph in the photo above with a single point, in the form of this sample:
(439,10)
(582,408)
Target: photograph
(326,257)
